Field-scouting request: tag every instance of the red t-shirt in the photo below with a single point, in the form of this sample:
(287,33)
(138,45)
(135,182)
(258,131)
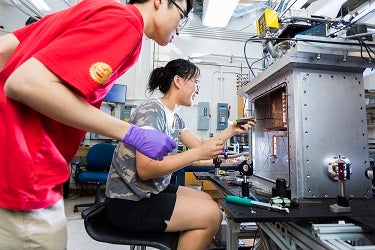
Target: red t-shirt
(88,46)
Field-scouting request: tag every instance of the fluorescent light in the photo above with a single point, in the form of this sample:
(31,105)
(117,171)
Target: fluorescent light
(41,5)
(218,12)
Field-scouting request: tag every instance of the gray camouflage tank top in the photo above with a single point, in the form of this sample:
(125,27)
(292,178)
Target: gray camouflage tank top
(123,181)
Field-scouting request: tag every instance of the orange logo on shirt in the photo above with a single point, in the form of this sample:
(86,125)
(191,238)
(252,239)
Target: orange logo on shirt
(100,72)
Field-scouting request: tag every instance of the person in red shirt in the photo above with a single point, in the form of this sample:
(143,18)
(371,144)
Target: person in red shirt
(54,74)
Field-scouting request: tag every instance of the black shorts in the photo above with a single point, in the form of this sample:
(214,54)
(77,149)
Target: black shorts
(146,215)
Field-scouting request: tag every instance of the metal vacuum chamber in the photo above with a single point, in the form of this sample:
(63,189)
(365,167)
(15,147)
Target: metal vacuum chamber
(310,112)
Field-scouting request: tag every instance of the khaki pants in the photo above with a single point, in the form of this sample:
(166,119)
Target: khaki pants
(36,229)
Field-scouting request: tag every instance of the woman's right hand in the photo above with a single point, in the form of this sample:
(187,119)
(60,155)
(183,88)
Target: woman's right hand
(210,148)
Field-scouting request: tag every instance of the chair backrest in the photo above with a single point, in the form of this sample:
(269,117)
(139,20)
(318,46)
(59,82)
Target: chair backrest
(100,156)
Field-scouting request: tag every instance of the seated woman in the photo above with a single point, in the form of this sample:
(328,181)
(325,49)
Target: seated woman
(139,196)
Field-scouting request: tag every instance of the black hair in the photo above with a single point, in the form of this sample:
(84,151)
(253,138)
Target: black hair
(189,3)
(162,77)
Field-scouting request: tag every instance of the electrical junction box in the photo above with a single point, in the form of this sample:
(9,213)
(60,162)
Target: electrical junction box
(222,116)
(126,111)
(267,21)
(203,115)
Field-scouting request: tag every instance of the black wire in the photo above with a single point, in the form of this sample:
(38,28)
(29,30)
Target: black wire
(368,49)
(255,62)
(246,59)
(244,52)
(360,41)
(361,50)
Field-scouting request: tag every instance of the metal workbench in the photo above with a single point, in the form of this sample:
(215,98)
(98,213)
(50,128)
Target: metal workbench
(310,226)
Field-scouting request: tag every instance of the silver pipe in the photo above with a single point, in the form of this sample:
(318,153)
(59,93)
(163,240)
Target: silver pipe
(341,189)
(359,35)
(274,51)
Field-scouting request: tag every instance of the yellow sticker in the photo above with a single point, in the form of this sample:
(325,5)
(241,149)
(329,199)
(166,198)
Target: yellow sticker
(100,72)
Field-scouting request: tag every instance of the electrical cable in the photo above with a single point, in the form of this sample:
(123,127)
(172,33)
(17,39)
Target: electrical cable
(368,47)
(362,52)
(368,50)
(245,55)
(251,66)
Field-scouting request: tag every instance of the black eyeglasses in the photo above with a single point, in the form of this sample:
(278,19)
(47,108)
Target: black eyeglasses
(196,81)
(184,17)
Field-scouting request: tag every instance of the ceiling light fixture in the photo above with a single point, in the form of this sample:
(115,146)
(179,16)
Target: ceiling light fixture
(217,13)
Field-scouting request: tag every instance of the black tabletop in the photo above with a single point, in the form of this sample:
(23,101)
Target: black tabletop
(362,210)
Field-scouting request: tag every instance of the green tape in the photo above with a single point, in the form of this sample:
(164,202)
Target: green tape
(238,200)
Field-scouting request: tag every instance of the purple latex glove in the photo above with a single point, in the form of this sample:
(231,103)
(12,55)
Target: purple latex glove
(150,142)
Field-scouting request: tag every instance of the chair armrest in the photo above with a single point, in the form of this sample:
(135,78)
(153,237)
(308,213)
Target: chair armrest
(92,209)
(79,167)
(76,162)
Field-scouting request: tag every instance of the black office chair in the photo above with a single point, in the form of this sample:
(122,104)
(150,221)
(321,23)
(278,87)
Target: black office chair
(99,229)
(95,171)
